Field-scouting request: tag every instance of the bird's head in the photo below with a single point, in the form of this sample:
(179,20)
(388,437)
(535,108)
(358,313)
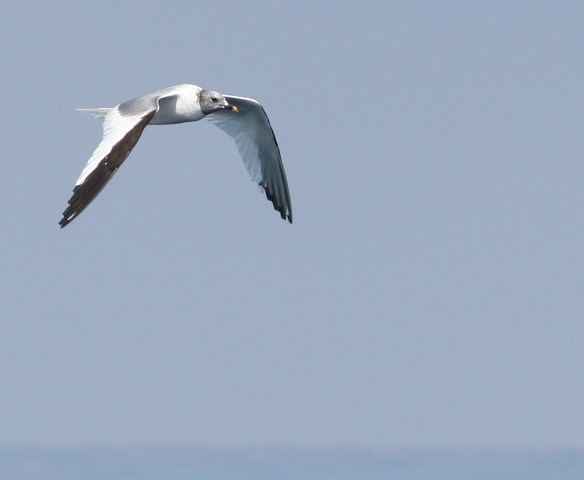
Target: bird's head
(211,101)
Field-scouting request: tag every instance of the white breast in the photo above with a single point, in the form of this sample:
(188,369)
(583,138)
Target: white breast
(178,104)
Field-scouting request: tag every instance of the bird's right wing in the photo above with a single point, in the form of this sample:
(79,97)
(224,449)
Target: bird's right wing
(257,145)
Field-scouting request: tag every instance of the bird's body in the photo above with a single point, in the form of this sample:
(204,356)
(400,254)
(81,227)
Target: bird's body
(185,108)
(242,118)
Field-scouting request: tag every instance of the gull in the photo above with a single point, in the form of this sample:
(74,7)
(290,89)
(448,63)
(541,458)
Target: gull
(243,119)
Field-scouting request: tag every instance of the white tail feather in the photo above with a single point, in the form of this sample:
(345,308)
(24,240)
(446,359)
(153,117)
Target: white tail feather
(96,112)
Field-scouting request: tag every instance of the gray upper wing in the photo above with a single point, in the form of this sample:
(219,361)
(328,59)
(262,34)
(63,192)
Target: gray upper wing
(257,145)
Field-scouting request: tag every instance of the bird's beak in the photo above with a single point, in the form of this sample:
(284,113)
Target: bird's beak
(233,108)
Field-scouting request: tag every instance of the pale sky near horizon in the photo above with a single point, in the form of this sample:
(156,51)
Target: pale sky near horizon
(429,293)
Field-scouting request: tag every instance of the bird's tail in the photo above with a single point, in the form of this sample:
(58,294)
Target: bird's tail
(96,112)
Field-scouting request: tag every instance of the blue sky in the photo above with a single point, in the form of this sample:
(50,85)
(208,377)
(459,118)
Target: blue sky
(428,294)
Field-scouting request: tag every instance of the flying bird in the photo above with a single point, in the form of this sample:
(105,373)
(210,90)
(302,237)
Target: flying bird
(243,119)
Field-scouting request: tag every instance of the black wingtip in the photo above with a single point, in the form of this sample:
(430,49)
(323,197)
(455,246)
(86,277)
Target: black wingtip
(64,222)
(284,215)
(285,210)
(70,212)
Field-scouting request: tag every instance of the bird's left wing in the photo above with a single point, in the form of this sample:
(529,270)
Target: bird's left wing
(122,128)
(257,145)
